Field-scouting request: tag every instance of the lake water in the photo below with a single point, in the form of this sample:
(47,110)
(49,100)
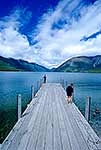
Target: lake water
(14,83)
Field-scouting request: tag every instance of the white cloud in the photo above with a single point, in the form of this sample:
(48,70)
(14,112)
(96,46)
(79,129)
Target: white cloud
(12,42)
(57,35)
(59,44)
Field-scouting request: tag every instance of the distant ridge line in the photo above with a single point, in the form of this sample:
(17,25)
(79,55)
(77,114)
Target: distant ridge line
(74,64)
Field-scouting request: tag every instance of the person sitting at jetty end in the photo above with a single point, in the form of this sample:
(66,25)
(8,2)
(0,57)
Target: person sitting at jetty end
(44,78)
(69,91)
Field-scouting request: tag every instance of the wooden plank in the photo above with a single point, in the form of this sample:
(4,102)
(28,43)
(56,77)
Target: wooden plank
(25,139)
(40,144)
(57,143)
(36,129)
(49,129)
(70,137)
(33,125)
(90,136)
(76,130)
(65,141)
(85,128)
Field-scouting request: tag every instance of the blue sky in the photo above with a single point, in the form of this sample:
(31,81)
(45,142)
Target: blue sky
(49,32)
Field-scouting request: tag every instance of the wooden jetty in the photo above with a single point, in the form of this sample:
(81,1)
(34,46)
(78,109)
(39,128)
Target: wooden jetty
(50,123)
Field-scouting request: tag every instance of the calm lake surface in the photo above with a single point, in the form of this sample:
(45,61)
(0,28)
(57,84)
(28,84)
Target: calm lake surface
(14,83)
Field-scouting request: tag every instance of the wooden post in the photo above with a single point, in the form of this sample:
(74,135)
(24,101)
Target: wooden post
(66,83)
(32,91)
(87,109)
(63,83)
(19,106)
(37,85)
(40,82)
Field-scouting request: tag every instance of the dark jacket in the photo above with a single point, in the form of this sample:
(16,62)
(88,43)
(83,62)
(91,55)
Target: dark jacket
(69,90)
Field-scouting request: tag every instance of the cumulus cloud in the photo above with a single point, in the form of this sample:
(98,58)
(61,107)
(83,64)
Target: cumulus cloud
(59,31)
(12,42)
(57,35)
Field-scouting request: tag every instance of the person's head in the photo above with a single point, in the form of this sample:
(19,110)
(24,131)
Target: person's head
(71,84)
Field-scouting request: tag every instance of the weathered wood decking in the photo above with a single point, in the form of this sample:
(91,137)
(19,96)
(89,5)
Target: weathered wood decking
(50,123)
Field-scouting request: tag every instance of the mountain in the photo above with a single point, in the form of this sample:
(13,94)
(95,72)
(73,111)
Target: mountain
(10,64)
(81,64)
(52,69)
(75,64)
